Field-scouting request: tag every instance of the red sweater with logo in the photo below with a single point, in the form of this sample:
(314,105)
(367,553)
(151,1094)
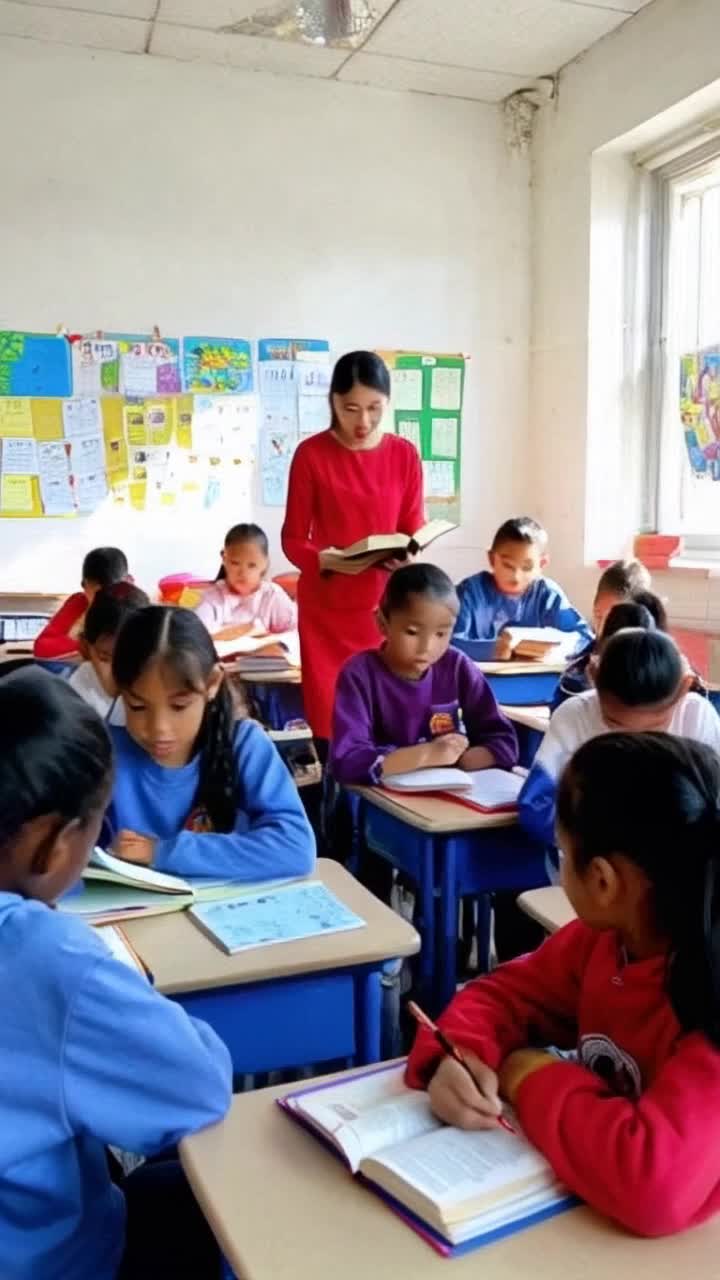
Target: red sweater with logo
(633,1127)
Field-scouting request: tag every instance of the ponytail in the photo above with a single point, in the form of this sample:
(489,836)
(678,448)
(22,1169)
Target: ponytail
(217,789)
(653,799)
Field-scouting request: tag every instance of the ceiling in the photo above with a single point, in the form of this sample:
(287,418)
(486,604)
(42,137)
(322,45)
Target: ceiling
(480,49)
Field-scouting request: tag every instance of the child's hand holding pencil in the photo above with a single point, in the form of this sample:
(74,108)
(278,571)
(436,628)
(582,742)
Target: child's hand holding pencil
(464,1091)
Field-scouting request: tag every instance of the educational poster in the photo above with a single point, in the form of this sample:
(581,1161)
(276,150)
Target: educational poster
(293,385)
(426,408)
(700,411)
(149,367)
(95,366)
(218,366)
(34,364)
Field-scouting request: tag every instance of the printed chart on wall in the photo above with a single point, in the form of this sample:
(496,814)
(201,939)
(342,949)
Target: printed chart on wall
(293,386)
(426,404)
(700,411)
(142,422)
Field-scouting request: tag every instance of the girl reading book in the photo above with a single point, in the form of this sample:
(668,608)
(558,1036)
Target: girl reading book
(197,792)
(415,702)
(92,1055)
(345,483)
(632,988)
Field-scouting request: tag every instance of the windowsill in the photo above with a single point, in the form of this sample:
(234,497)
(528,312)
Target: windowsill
(696,566)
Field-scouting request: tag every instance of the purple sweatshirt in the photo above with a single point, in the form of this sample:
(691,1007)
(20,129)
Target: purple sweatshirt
(377,712)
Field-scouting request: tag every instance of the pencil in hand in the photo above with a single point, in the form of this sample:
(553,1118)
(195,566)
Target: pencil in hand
(450,1050)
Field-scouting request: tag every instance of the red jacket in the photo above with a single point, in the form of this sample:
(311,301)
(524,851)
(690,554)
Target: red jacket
(633,1127)
(55,640)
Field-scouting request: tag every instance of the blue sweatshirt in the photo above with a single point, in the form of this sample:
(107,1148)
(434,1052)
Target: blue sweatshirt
(485,611)
(91,1057)
(271,836)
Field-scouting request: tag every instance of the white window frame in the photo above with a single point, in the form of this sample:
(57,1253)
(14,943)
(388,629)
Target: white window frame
(668,481)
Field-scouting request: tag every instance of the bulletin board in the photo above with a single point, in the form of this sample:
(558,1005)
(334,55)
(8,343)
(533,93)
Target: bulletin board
(426,406)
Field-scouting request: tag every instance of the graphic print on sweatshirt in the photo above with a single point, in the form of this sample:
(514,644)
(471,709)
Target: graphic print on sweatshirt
(617,1068)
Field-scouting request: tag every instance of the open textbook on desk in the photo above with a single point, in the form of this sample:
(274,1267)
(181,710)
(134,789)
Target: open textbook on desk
(458,1190)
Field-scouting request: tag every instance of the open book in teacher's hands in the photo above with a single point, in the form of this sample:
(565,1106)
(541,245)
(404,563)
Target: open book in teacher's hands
(381,546)
(457,1189)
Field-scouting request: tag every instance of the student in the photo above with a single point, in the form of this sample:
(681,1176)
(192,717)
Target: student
(624,582)
(514,593)
(93,678)
(415,702)
(61,637)
(241,596)
(196,791)
(92,1055)
(633,987)
(642,683)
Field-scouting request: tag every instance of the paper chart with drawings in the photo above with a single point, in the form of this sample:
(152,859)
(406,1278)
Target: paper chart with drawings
(285,914)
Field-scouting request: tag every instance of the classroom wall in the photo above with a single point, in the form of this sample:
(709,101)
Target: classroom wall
(138,191)
(655,73)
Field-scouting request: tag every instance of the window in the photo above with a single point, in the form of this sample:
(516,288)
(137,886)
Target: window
(686,307)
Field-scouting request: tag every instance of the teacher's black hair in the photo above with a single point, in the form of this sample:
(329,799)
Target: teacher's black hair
(178,639)
(364,367)
(639,668)
(653,798)
(55,753)
(424,580)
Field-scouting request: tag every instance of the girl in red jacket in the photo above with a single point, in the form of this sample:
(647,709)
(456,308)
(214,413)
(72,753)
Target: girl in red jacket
(102,567)
(630,1120)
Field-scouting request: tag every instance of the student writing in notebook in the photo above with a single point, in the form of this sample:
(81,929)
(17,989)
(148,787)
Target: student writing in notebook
(642,683)
(633,987)
(514,593)
(197,791)
(61,637)
(242,597)
(93,679)
(415,702)
(92,1055)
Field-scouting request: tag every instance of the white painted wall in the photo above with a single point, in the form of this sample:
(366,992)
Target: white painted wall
(137,191)
(656,72)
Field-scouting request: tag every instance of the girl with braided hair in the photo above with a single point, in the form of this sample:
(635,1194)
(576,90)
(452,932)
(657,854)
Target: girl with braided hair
(198,792)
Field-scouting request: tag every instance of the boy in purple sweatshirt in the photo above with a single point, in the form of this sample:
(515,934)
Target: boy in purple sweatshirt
(415,703)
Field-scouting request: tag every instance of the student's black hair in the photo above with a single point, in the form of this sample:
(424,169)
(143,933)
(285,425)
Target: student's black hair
(623,578)
(55,753)
(653,798)
(364,367)
(654,605)
(418,580)
(110,608)
(177,638)
(521,529)
(639,668)
(244,533)
(105,565)
(627,615)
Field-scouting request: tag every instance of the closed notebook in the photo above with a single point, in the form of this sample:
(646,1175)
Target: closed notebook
(457,1189)
(381,546)
(283,914)
(488,790)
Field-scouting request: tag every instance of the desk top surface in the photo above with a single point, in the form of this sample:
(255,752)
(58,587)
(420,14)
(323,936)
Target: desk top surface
(432,813)
(284,1208)
(537,718)
(182,958)
(550,907)
(517,668)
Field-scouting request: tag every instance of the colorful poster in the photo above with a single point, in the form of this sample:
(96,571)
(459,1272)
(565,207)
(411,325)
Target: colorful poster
(34,364)
(96,366)
(217,366)
(149,366)
(700,411)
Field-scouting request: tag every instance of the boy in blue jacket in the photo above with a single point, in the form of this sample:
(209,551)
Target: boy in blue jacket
(515,593)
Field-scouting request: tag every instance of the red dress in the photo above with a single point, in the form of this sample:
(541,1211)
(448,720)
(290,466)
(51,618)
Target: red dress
(337,496)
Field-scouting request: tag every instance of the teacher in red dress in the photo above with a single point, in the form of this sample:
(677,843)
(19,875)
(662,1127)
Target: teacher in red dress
(346,483)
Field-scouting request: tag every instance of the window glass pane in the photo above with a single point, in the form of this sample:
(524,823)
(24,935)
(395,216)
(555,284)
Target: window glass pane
(709,283)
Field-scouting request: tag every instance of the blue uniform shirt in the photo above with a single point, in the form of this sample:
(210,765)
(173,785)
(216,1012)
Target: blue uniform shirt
(485,611)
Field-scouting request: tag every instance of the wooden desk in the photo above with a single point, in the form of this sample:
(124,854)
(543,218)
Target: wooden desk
(550,907)
(535,718)
(283,1208)
(449,851)
(287,1005)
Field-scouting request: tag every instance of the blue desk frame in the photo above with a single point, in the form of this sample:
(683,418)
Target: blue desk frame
(446,867)
(532,688)
(266,1025)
